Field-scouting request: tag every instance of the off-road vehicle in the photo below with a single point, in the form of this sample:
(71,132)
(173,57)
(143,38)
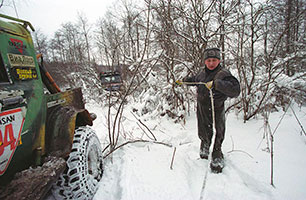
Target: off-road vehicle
(45,140)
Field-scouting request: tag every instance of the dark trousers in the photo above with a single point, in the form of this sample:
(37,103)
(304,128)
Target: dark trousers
(205,125)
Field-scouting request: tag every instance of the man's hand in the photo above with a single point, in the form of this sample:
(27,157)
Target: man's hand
(209,84)
(179,82)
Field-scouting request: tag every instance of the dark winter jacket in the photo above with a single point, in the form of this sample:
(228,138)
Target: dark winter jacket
(224,85)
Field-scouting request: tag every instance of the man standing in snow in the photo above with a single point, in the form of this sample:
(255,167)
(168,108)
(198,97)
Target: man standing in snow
(223,85)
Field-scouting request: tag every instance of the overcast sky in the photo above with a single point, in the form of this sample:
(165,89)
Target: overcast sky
(48,15)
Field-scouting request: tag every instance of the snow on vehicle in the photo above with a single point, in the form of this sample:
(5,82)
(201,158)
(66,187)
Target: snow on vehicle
(45,142)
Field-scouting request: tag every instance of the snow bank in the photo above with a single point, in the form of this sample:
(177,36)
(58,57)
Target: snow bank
(142,170)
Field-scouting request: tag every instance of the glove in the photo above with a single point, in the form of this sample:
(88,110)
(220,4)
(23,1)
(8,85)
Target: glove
(209,84)
(179,82)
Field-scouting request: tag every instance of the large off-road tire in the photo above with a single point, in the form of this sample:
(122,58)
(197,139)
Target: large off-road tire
(84,168)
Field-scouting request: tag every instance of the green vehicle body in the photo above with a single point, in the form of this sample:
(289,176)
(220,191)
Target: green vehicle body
(35,122)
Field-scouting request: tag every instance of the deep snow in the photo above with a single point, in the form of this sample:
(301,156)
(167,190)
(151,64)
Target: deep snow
(141,171)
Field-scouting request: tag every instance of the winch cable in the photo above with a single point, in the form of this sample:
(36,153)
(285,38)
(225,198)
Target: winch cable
(202,194)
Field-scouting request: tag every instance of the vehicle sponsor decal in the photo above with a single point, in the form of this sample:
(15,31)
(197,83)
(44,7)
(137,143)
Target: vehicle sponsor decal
(22,73)
(17,60)
(18,44)
(11,123)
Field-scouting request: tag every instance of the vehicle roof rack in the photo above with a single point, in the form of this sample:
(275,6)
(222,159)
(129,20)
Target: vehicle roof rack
(25,23)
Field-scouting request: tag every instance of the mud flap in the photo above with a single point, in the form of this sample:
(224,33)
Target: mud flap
(59,130)
(65,112)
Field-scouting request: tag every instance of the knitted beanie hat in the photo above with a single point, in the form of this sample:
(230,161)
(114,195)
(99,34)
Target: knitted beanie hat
(212,53)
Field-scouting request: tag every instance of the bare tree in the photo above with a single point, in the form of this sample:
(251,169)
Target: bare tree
(287,26)
(85,31)
(41,43)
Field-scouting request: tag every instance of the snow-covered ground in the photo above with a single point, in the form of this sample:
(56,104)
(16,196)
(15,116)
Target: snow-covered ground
(141,171)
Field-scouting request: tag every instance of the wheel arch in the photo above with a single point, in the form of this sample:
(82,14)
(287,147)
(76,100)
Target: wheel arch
(61,124)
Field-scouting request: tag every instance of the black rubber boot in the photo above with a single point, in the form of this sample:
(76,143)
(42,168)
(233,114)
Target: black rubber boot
(217,163)
(204,150)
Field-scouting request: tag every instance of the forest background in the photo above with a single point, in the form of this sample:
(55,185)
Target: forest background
(153,43)
(262,43)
